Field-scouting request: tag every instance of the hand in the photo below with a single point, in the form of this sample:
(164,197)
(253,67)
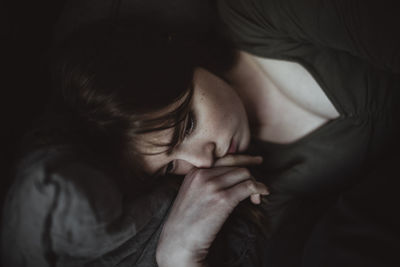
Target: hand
(204,202)
(241,160)
(238,160)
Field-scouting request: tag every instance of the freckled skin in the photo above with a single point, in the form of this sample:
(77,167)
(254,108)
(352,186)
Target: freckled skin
(219,116)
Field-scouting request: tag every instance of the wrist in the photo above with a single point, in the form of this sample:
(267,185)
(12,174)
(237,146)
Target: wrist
(181,259)
(171,262)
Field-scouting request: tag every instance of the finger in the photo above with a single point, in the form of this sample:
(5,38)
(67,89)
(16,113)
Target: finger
(255,198)
(211,172)
(238,160)
(231,178)
(245,189)
(216,178)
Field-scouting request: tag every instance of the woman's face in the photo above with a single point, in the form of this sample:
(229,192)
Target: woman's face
(216,126)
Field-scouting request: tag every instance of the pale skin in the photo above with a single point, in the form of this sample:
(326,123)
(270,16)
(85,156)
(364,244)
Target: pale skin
(205,200)
(212,156)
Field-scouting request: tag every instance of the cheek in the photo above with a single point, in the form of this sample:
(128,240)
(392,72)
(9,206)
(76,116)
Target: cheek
(221,115)
(219,107)
(227,110)
(218,116)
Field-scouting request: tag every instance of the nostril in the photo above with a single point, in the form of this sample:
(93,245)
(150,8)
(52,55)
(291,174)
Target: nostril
(201,156)
(212,147)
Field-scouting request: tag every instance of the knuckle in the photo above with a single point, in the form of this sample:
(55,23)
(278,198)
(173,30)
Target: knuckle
(211,186)
(195,179)
(229,158)
(192,172)
(245,172)
(250,185)
(199,175)
(222,198)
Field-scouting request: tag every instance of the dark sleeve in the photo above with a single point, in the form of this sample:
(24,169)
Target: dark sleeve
(366,29)
(362,228)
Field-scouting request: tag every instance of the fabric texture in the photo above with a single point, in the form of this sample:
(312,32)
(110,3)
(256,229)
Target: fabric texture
(64,210)
(333,200)
(322,184)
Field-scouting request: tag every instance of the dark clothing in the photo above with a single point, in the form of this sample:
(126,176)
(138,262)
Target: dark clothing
(323,38)
(325,208)
(333,199)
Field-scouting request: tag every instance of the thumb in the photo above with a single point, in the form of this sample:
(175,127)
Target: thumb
(237,160)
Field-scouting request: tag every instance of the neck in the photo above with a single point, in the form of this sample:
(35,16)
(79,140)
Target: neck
(257,92)
(273,116)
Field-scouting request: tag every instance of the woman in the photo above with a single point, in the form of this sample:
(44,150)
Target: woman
(319,126)
(193,114)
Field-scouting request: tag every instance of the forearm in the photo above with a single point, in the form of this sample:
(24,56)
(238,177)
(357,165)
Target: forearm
(202,205)
(186,264)
(176,261)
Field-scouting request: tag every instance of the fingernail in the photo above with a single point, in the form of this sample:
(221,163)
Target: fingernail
(256,199)
(259,158)
(265,193)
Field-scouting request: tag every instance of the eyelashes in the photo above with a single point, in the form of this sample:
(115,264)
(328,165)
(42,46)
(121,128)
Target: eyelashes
(190,126)
(169,168)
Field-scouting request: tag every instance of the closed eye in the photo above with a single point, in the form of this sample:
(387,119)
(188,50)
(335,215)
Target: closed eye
(169,168)
(190,124)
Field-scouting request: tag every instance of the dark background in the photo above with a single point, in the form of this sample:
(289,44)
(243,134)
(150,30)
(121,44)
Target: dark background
(26,33)
(26,29)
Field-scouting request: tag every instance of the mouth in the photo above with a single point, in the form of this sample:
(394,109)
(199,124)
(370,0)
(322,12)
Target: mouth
(232,147)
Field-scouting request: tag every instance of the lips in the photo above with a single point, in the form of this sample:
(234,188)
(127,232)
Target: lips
(232,148)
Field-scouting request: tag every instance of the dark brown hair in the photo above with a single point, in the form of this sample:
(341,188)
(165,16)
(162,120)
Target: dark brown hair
(109,78)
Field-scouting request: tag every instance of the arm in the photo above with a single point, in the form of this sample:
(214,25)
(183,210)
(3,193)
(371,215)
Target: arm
(204,202)
(366,29)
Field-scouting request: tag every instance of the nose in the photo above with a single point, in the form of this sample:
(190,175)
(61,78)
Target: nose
(199,156)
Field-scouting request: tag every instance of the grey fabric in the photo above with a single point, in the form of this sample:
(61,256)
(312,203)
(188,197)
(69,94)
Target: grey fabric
(64,211)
